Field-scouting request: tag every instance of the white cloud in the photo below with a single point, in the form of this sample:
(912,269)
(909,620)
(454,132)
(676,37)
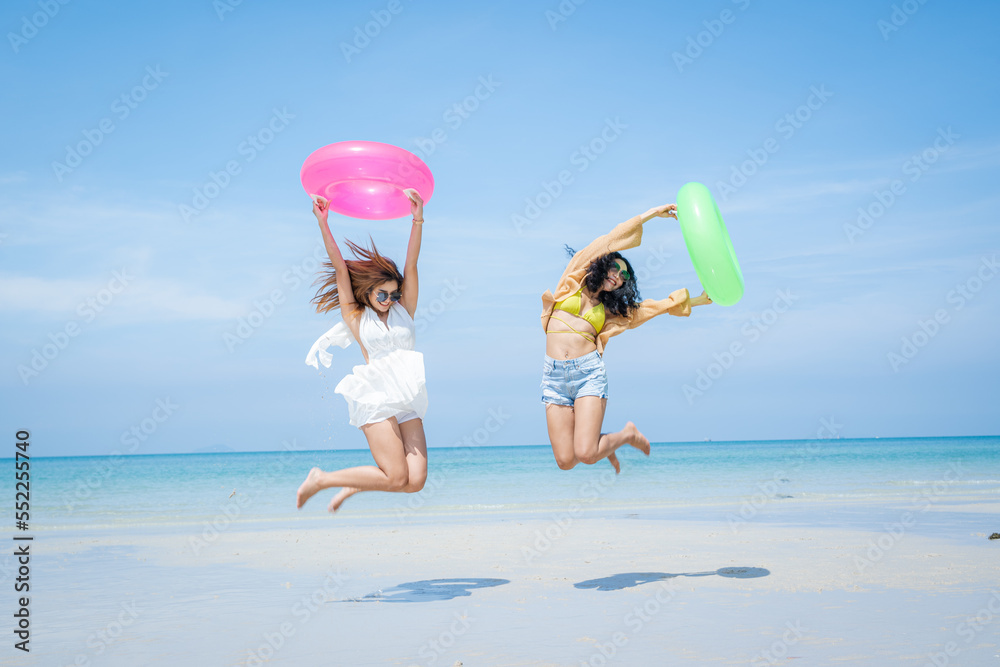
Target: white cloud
(790,187)
(130,298)
(13,177)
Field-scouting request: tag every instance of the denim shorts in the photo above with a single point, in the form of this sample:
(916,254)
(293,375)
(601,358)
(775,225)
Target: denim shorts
(565,381)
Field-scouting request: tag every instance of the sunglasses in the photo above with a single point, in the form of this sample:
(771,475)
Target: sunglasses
(392,296)
(623,272)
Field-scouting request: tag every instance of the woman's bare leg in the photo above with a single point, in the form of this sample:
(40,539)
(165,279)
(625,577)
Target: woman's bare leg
(341,496)
(560,420)
(391,474)
(589,444)
(415,451)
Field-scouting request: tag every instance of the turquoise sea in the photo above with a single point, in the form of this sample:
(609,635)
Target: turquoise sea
(104,594)
(715,480)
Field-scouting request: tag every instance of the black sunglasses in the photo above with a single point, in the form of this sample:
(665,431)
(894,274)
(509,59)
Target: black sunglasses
(383,295)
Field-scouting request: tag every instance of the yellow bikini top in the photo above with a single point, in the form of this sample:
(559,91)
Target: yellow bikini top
(573,304)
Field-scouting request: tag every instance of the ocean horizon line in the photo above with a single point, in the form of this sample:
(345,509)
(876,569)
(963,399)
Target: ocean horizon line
(527,446)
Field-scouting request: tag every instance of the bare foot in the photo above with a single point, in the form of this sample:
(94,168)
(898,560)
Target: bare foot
(308,488)
(613,460)
(636,439)
(339,499)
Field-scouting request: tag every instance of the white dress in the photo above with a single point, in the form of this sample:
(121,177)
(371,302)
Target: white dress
(392,383)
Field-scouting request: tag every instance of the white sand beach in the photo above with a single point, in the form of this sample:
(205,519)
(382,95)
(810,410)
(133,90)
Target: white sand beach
(503,590)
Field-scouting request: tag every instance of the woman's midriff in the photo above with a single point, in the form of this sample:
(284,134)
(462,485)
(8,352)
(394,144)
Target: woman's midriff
(561,342)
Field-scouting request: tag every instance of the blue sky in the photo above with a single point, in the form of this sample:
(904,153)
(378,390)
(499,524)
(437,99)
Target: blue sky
(796,115)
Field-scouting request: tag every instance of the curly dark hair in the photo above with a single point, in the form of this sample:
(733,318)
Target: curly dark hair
(623,300)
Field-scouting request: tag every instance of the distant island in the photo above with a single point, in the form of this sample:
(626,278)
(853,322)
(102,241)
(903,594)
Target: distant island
(214,449)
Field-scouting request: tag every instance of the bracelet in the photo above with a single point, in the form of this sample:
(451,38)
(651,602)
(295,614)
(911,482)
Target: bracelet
(418,222)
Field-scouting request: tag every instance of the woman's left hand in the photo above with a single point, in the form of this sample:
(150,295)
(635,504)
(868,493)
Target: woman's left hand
(666,211)
(417,206)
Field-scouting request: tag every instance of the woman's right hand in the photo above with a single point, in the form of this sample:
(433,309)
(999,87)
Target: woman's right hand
(702,299)
(321,207)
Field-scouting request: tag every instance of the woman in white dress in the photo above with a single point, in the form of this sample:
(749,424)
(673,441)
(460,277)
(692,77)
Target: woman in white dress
(386,395)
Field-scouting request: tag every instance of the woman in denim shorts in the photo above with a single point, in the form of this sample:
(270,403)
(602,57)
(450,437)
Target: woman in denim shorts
(597,298)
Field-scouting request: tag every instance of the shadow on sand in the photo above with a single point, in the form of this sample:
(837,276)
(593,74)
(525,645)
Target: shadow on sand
(430,590)
(616,582)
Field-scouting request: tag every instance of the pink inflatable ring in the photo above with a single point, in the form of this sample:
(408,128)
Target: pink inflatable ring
(366,179)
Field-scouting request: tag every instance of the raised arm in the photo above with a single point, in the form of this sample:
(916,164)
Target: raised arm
(411,285)
(701,300)
(679,303)
(348,306)
(626,235)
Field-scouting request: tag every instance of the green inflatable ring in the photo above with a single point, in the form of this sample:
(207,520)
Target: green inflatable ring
(708,244)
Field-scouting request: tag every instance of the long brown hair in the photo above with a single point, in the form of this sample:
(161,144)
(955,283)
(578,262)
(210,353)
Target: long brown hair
(369,270)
